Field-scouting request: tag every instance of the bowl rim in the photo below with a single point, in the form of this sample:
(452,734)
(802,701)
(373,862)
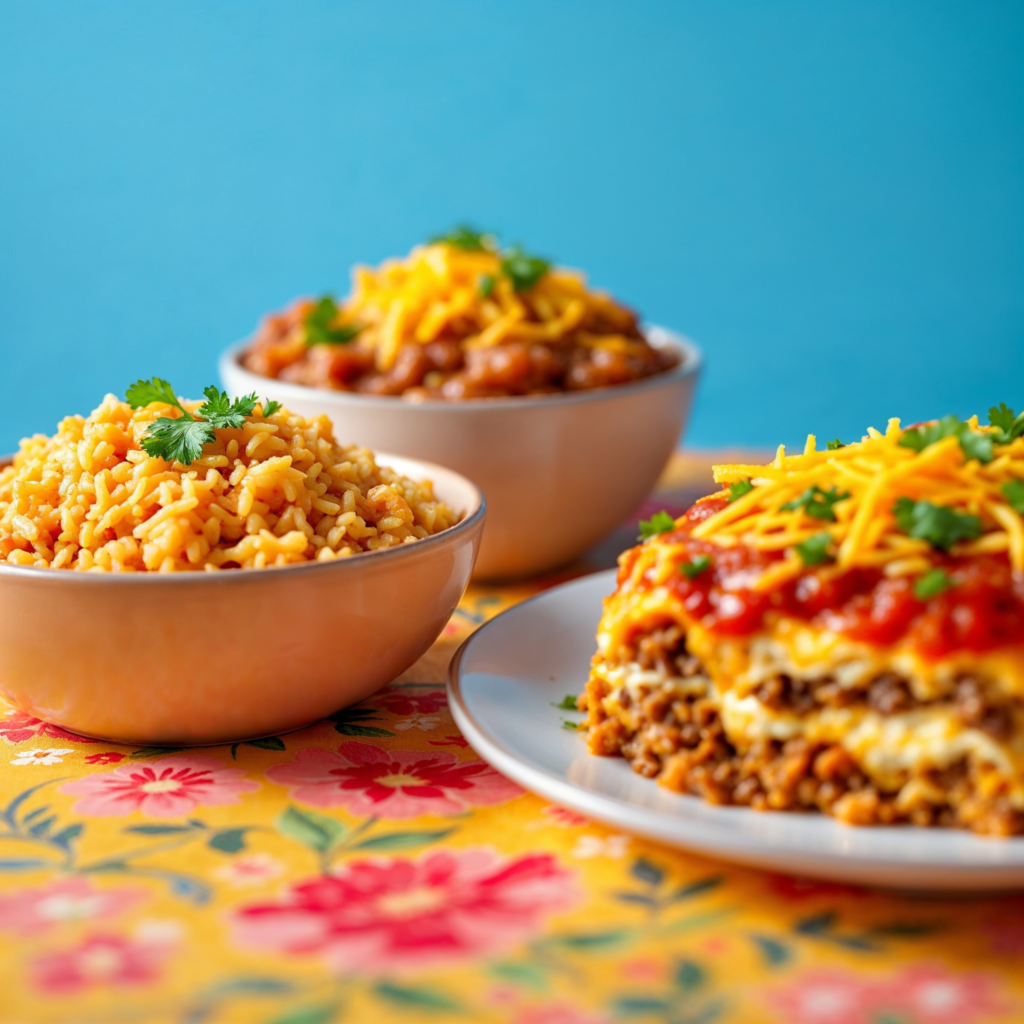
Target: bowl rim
(468,523)
(689,365)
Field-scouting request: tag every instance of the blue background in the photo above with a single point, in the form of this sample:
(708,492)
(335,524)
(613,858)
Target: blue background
(827,197)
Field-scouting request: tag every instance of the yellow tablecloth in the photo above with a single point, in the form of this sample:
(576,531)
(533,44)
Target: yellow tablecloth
(372,869)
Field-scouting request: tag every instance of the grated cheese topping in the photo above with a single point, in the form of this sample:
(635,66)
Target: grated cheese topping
(872,474)
(436,290)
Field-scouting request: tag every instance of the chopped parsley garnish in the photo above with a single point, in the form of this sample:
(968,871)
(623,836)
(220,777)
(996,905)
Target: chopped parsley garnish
(182,439)
(487,282)
(834,446)
(814,550)
(1014,491)
(695,566)
(567,703)
(320,323)
(571,726)
(270,407)
(660,522)
(738,489)
(942,527)
(467,238)
(931,584)
(522,269)
(818,503)
(974,445)
(1008,426)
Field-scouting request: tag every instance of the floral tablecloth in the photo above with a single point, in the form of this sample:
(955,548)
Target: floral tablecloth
(372,868)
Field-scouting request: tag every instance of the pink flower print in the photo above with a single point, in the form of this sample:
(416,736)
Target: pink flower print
(454,740)
(562,817)
(368,781)
(99,959)
(392,914)
(29,911)
(104,757)
(402,702)
(250,869)
(933,994)
(169,787)
(557,1013)
(18,726)
(827,996)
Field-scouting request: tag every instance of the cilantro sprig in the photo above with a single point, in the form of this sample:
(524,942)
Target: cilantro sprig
(695,566)
(931,584)
(974,445)
(738,489)
(321,323)
(940,525)
(1008,426)
(814,550)
(660,522)
(1014,493)
(181,439)
(817,503)
(467,238)
(834,446)
(522,269)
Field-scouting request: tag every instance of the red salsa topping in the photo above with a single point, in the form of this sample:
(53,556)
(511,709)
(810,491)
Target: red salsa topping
(984,609)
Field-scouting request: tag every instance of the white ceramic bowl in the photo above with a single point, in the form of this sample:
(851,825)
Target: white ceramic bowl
(559,471)
(211,657)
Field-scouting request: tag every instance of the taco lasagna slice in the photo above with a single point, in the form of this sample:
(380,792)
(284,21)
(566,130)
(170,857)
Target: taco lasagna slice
(840,631)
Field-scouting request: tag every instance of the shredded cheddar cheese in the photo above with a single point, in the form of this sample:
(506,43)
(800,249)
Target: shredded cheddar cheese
(440,288)
(874,474)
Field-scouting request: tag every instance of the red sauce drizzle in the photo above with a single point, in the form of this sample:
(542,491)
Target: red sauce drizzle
(984,610)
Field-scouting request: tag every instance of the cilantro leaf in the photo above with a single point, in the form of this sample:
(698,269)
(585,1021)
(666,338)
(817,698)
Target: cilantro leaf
(695,566)
(1014,491)
(931,584)
(942,527)
(221,411)
(144,392)
(179,440)
(487,282)
(814,550)
(467,238)
(660,522)
(182,439)
(571,726)
(1008,426)
(567,703)
(320,321)
(974,445)
(834,446)
(738,489)
(818,503)
(522,269)
(269,407)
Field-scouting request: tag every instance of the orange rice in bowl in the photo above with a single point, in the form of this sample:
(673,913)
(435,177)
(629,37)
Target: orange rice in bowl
(276,490)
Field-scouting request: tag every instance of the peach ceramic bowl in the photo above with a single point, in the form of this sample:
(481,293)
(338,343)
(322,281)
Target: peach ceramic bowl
(192,658)
(559,471)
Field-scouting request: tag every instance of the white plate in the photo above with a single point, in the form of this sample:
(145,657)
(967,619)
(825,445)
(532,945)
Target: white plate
(507,675)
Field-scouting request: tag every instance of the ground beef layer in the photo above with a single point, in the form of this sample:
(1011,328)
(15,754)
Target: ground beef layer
(674,733)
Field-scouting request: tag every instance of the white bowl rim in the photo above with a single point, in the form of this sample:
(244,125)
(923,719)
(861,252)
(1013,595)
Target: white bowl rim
(472,516)
(660,337)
